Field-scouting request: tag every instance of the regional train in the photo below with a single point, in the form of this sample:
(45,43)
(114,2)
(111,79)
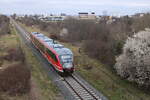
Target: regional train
(60,57)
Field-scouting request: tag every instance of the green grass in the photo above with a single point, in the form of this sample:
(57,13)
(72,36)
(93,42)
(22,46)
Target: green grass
(102,77)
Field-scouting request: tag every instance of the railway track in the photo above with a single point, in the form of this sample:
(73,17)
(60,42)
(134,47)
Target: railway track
(79,89)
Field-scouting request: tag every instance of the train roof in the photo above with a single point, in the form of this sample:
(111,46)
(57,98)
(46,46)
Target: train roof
(59,48)
(63,51)
(46,39)
(39,35)
(34,33)
(43,37)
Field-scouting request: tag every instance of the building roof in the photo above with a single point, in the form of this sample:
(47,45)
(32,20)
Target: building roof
(83,13)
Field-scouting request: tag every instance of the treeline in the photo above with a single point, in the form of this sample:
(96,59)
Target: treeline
(107,41)
(101,40)
(140,23)
(4,25)
(51,27)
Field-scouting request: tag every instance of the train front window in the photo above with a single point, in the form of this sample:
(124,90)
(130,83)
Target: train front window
(66,61)
(66,58)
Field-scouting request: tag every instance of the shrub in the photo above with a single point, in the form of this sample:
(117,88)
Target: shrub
(4,25)
(100,50)
(15,54)
(15,79)
(54,37)
(133,64)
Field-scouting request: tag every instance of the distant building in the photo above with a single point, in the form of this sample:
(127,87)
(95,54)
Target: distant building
(53,18)
(92,15)
(138,15)
(19,17)
(83,15)
(87,16)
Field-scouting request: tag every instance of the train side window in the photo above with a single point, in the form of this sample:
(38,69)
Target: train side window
(52,55)
(39,45)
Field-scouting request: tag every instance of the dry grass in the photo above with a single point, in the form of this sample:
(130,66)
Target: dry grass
(5,96)
(14,75)
(33,29)
(15,79)
(14,54)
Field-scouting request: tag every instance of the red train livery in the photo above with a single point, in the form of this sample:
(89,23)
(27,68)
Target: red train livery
(60,57)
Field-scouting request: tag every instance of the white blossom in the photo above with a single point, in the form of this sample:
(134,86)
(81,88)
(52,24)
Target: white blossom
(134,63)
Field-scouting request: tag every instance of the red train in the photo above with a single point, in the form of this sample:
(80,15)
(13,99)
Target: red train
(60,57)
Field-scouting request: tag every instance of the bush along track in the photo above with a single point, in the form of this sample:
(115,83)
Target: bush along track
(14,72)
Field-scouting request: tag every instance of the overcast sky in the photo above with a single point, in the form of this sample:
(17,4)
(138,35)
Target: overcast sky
(122,7)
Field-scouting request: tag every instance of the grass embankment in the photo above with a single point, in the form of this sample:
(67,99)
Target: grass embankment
(41,85)
(101,76)
(47,90)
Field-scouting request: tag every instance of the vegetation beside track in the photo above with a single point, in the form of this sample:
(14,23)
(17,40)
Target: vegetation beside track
(47,90)
(101,76)
(41,85)
(10,62)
